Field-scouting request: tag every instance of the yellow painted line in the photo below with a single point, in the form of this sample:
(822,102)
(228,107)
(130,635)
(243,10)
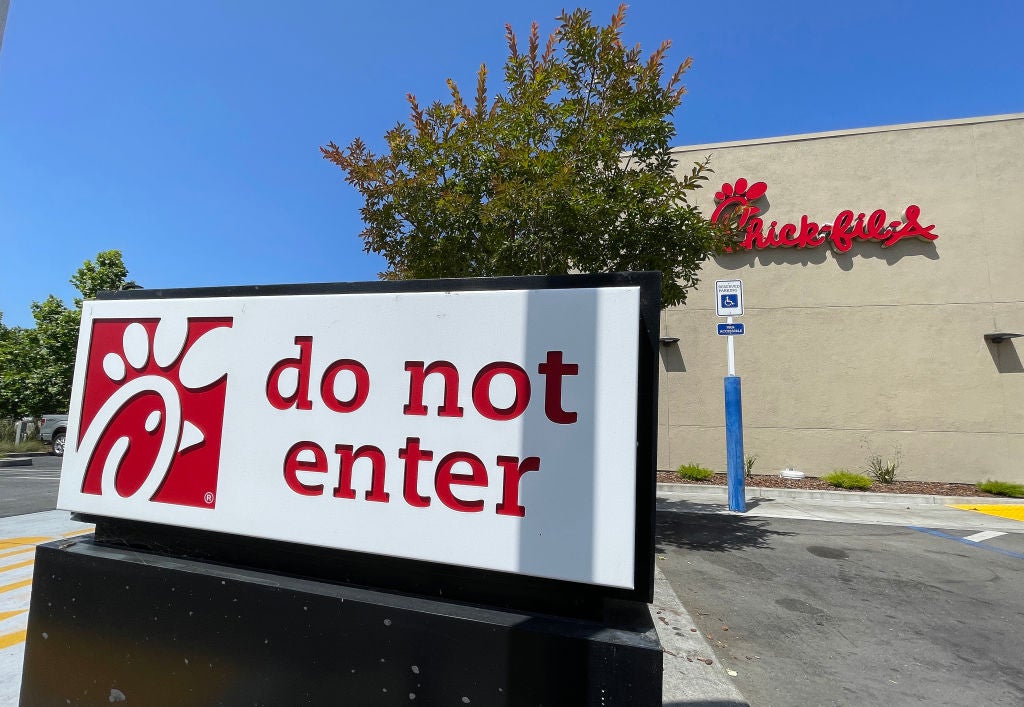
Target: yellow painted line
(16,565)
(30,548)
(11,543)
(9,639)
(15,585)
(1013,511)
(4,615)
(73,533)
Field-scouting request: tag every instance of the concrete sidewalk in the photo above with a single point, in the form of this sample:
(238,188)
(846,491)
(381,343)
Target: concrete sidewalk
(692,674)
(845,507)
(689,679)
(19,536)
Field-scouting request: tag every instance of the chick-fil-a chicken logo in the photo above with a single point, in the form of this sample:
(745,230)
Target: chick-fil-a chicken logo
(153,410)
(738,201)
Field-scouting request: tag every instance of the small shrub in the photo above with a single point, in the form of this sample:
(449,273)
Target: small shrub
(1002,488)
(841,478)
(8,428)
(884,470)
(694,472)
(748,465)
(32,445)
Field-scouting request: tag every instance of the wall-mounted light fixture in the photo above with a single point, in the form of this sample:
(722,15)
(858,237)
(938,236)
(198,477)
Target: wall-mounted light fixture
(999,337)
(669,340)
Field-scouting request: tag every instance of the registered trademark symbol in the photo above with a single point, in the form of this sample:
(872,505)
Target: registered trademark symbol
(208,497)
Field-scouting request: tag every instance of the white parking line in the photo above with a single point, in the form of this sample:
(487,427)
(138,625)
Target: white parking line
(25,471)
(34,478)
(984,535)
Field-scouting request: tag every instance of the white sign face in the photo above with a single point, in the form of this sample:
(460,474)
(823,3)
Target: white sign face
(494,429)
(729,297)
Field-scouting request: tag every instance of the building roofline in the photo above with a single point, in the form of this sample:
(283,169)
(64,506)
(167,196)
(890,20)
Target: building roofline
(854,131)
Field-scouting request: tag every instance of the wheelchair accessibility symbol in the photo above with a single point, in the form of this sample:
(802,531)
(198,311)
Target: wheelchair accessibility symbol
(729,298)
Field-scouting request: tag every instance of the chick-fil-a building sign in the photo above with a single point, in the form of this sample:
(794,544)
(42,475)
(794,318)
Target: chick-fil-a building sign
(491,429)
(739,200)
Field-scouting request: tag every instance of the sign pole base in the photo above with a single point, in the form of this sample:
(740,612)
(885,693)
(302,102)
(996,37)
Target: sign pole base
(110,625)
(734,443)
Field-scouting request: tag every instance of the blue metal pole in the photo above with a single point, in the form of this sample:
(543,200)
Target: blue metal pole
(734,443)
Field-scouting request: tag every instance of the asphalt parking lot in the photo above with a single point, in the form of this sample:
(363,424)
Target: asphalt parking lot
(29,489)
(817,613)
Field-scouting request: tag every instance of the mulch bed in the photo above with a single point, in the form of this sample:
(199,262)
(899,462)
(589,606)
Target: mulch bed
(812,483)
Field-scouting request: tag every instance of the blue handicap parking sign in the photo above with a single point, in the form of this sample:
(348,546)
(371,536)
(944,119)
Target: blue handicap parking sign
(730,298)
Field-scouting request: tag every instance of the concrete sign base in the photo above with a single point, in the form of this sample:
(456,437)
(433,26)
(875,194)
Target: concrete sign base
(108,625)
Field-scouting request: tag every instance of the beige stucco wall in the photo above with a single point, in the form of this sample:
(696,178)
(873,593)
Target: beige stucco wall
(851,354)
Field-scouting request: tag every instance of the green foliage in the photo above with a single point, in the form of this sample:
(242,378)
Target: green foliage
(694,472)
(841,478)
(107,273)
(569,170)
(748,465)
(32,445)
(883,469)
(37,364)
(6,431)
(1002,488)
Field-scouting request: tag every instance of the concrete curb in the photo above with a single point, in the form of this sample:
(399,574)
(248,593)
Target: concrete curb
(15,461)
(33,455)
(859,497)
(688,679)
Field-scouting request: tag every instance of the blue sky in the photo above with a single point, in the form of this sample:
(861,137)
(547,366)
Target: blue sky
(185,133)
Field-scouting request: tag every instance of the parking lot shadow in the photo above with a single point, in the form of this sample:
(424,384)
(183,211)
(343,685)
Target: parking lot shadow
(691,525)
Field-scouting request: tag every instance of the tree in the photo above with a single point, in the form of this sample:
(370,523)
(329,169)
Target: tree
(569,170)
(107,273)
(37,364)
(6,336)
